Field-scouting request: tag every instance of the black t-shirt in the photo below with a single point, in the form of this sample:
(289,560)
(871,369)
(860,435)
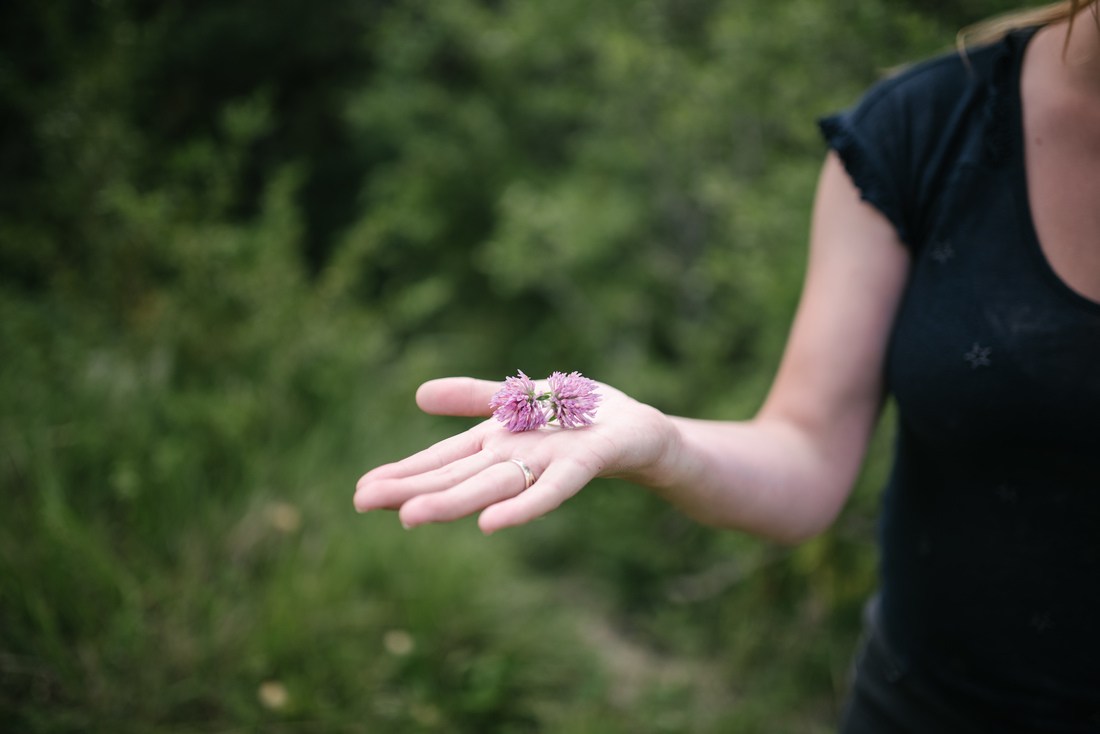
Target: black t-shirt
(990,531)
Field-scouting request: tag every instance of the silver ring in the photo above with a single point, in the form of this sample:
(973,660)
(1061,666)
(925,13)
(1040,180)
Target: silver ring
(528,475)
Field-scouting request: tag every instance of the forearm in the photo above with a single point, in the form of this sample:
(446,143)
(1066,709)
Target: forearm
(786,473)
(767,476)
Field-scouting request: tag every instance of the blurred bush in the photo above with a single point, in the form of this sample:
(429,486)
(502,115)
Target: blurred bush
(235,236)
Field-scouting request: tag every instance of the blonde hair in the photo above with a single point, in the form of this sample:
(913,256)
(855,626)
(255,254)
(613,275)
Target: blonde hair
(995,28)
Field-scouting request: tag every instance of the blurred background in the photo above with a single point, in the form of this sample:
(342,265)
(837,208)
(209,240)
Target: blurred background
(235,236)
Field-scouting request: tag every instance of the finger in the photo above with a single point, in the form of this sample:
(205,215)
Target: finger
(435,456)
(561,480)
(392,492)
(462,396)
(498,482)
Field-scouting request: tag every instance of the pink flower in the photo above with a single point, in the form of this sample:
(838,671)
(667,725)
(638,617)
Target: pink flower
(573,399)
(517,406)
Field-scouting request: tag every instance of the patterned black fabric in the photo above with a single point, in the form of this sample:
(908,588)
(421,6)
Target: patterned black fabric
(991,520)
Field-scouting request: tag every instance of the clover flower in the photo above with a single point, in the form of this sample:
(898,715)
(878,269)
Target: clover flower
(517,406)
(571,401)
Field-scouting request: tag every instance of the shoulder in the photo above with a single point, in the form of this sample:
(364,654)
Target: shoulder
(935,86)
(912,130)
(943,76)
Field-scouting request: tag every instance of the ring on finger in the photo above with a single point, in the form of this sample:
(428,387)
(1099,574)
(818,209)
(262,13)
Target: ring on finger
(528,475)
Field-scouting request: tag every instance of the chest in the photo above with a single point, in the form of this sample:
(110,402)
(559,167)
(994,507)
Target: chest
(1061,151)
(992,346)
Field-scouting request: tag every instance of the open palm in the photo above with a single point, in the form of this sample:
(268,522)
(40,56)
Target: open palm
(473,471)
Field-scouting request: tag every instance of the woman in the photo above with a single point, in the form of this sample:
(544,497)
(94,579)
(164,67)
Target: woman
(954,263)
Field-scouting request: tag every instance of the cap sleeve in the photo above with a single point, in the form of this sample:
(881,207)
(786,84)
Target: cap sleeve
(902,141)
(870,158)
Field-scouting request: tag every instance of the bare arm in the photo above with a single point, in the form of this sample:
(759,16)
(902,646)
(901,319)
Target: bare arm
(784,474)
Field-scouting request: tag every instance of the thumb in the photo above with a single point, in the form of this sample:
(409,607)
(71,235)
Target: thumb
(462,396)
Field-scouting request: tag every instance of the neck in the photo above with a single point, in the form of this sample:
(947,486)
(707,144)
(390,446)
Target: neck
(1081,58)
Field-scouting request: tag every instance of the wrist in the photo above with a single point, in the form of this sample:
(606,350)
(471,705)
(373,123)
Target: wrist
(659,466)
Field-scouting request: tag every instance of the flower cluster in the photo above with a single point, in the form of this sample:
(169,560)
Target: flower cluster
(571,400)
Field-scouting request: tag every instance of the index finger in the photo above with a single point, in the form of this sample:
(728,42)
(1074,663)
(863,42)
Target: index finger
(435,456)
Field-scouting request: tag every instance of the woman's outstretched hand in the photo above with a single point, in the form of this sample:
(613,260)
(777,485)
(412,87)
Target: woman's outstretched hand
(475,472)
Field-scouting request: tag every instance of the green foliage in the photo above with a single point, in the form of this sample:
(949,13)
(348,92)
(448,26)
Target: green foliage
(233,239)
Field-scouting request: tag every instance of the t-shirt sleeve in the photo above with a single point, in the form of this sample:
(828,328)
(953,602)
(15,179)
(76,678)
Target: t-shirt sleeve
(868,139)
(893,142)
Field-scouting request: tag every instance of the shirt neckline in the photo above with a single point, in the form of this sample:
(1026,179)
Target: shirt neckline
(1011,87)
